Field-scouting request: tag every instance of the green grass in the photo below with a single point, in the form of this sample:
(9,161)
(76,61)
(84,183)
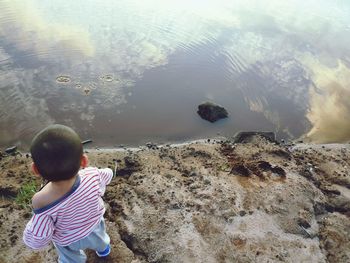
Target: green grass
(25,194)
(224,168)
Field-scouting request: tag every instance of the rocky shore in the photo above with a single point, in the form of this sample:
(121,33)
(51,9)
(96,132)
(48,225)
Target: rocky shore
(212,201)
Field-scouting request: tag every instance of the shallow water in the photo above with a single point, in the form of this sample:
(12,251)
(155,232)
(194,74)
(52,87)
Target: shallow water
(127,71)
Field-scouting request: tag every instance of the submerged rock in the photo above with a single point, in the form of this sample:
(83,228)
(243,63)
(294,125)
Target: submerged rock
(211,112)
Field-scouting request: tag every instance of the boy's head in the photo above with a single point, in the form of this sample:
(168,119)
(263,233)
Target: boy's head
(57,153)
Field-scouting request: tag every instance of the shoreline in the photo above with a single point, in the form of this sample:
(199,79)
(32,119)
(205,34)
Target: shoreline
(131,146)
(208,140)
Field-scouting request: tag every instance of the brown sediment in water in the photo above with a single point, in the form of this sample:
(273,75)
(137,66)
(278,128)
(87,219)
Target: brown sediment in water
(189,203)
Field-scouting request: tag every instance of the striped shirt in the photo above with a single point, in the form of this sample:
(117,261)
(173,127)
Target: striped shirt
(74,215)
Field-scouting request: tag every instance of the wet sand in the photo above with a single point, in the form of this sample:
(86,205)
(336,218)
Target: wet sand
(208,201)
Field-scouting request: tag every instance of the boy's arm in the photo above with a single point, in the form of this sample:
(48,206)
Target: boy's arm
(105,176)
(38,232)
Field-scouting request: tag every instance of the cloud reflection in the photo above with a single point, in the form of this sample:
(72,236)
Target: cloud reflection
(330,105)
(24,29)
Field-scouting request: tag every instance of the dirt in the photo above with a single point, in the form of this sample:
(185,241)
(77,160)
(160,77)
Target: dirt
(257,201)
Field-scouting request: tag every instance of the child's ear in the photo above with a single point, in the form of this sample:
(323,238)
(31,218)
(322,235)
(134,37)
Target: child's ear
(84,161)
(35,170)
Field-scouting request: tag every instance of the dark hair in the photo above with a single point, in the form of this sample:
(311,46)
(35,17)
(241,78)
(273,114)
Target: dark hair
(57,152)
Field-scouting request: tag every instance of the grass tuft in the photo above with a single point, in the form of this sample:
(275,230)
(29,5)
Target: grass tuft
(25,194)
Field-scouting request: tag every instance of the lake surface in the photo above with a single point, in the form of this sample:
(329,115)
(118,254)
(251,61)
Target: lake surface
(128,71)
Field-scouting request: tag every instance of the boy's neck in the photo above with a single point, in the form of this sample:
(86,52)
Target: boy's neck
(52,192)
(64,184)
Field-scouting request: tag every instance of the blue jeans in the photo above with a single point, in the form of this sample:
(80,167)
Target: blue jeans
(97,240)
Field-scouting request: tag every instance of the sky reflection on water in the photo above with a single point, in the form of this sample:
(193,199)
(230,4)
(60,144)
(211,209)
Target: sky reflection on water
(132,71)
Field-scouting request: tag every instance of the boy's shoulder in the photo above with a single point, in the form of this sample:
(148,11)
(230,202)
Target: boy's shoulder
(41,199)
(88,170)
(50,193)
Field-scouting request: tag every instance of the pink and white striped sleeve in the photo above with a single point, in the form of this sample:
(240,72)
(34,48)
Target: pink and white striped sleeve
(38,232)
(106,176)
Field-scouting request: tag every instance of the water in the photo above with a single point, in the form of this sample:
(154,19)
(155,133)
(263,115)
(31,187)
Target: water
(127,71)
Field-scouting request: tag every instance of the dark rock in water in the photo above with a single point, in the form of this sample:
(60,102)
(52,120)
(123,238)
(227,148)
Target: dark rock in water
(211,112)
(11,150)
(244,137)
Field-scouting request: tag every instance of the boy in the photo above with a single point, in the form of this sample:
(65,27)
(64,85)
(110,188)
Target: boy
(68,210)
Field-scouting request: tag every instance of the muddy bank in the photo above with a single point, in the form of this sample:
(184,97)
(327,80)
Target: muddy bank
(214,201)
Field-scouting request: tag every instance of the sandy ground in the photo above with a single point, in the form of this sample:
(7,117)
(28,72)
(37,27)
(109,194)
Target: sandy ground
(213,201)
